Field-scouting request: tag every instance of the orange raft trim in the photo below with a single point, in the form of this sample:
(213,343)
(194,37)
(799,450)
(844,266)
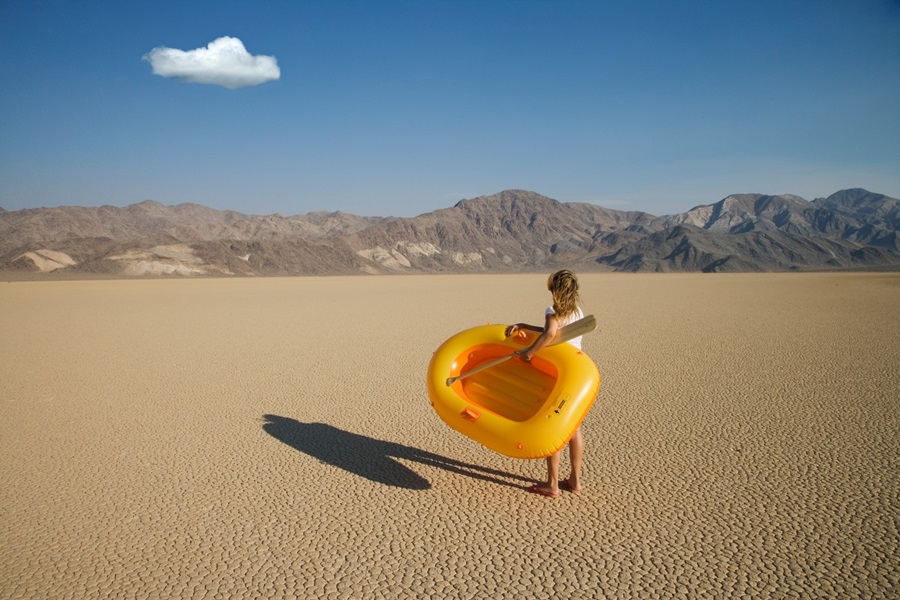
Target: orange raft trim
(515,408)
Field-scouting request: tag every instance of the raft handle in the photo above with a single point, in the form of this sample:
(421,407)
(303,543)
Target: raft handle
(470,414)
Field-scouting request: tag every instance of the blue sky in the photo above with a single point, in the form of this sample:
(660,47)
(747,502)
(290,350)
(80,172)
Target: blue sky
(400,108)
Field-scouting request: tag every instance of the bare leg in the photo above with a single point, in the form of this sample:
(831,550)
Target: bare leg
(551,488)
(553,471)
(576,453)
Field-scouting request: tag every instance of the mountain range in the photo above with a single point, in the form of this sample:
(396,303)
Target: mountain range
(512,231)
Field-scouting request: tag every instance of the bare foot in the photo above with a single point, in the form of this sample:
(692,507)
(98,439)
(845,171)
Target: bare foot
(543,491)
(565,485)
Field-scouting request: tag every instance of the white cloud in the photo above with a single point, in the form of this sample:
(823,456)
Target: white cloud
(223,62)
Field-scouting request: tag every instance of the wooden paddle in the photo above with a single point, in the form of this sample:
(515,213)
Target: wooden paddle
(569,332)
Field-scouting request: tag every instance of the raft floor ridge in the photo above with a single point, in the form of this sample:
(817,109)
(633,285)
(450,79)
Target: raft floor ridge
(513,391)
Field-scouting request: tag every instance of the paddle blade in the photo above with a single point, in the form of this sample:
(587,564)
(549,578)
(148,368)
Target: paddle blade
(574,330)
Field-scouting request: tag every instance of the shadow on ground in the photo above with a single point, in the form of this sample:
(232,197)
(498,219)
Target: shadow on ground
(375,460)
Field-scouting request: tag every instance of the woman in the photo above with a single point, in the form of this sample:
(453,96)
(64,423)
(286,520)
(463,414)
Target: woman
(563,286)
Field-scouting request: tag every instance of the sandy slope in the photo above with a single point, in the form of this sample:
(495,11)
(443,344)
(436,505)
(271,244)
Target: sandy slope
(273,438)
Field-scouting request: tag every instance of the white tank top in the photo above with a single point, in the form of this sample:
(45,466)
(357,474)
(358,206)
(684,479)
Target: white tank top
(578,314)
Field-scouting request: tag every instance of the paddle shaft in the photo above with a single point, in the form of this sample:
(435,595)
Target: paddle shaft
(569,332)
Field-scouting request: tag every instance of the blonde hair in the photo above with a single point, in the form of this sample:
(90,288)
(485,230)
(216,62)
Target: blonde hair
(563,286)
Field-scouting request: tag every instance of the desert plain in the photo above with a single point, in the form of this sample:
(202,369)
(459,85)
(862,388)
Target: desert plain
(273,438)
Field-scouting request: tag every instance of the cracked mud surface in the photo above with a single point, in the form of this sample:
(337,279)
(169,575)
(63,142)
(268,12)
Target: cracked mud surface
(273,438)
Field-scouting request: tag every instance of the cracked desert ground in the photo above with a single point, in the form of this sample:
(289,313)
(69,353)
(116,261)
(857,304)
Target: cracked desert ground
(273,438)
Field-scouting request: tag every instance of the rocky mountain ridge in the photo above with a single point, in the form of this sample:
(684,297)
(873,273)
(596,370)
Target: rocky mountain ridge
(512,231)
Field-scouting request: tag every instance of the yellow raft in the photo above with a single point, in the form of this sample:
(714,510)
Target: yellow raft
(517,409)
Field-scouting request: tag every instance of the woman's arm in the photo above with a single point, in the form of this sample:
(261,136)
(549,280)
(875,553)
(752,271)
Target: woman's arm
(551,328)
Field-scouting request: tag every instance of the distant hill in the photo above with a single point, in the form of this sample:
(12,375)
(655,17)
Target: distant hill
(513,231)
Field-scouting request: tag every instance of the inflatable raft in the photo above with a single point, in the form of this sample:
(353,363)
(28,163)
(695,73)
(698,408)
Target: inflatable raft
(515,408)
